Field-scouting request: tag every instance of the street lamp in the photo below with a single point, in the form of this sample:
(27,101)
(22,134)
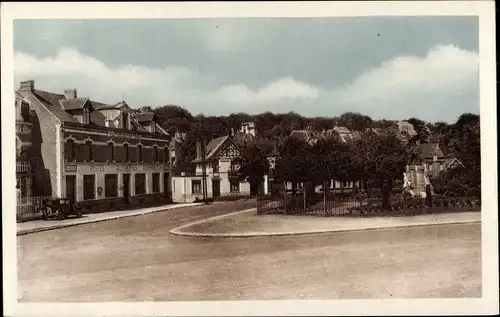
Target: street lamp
(203,158)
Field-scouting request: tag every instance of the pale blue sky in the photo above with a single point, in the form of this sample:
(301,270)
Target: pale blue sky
(385,67)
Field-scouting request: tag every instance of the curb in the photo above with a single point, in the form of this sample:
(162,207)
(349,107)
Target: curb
(178,231)
(66,225)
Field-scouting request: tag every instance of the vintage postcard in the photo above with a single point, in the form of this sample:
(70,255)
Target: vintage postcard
(305,158)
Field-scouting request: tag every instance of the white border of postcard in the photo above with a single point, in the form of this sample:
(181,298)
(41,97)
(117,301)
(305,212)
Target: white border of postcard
(488,304)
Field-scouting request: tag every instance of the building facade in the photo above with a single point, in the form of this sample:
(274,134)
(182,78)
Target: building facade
(24,128)
(222,173)
(98,155)
(429,163)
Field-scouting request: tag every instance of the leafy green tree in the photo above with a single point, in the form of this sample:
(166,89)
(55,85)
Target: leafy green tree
(253,166)
(294,164)
(387,158)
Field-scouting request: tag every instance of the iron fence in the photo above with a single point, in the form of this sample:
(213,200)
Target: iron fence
(333,204)
(30,205)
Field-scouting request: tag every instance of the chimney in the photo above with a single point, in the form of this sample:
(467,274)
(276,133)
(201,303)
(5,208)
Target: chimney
(70,93)
(232,131)
(198,150)
(28,85)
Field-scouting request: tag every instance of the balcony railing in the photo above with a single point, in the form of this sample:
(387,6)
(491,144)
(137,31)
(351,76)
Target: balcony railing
(22,167)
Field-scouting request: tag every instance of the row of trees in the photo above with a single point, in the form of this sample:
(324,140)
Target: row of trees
(374,160)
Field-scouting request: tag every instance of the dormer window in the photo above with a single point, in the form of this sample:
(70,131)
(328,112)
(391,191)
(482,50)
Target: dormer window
(139,149)
(86,115)
(157,154)
(88,151)
(111,148)
(126,152)
(70,150)
(153,126)
(125,121)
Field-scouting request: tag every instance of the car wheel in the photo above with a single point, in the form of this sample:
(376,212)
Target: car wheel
(46,212)
(59,214)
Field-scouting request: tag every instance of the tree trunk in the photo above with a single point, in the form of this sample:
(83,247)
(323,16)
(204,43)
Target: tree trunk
(384,188)
(324,196)
(428,196)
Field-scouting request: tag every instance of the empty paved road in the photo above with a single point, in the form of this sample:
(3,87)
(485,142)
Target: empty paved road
(136,259)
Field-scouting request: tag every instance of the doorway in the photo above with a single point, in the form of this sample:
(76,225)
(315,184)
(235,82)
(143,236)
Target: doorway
(166,186)
(216,188)
(71,188)
(126,188)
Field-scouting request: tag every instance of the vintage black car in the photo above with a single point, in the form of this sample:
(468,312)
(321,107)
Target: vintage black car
(60,208)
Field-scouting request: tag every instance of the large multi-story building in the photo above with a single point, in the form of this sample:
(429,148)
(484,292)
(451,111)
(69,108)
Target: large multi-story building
(23,147)
(99,155)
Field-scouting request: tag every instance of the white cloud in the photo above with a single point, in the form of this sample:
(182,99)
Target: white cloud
(445,80)
(438,86)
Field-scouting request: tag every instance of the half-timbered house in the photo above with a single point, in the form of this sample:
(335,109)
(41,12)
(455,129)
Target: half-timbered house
(222,173)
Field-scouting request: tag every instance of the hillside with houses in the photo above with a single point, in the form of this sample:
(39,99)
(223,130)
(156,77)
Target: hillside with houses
(350,151)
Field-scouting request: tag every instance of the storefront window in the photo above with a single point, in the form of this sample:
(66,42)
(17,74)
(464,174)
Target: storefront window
(196,186)
(234,186)
(140,184)
(111,185)
(88,187)
(156,182)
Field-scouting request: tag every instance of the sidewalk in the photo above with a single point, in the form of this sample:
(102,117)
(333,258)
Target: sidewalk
(44,225)
(248,224)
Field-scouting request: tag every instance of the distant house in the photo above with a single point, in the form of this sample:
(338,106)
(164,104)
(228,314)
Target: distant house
(248,128)
(344,133)
(428,163)
(304,136)
(406,127)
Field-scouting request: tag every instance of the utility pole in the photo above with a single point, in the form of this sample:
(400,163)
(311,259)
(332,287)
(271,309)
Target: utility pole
(203,160)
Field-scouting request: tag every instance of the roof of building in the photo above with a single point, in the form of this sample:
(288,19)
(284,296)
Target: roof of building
(429,150)
(98,118)
(18,95)
(453,162)
(144,117)
(407,127)
(58,105)
(302,135)
(23,137)
(73,104)
(212,147)
(341,130)
(51,101)
(102,106)
(138,126)
(99,105)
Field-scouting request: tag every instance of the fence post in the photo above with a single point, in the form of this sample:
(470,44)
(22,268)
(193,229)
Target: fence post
(304,210)
(324,198)
(286,211)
